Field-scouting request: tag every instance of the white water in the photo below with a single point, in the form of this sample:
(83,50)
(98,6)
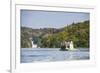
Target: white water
(34,45)
(71,46)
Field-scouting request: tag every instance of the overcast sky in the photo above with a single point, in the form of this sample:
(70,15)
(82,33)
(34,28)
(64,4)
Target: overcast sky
(47,19)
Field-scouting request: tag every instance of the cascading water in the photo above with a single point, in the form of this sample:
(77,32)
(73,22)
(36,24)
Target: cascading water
(71,45)
(33,45)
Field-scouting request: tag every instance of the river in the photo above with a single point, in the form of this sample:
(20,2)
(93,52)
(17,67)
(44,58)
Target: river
(31,55)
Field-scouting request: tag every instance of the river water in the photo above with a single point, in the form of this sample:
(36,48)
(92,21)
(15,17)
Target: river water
(31,55)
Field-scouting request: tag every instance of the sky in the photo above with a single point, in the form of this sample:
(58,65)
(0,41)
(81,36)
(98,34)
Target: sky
(50,19)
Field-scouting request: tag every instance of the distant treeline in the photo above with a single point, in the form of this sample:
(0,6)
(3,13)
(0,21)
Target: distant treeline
(52,37)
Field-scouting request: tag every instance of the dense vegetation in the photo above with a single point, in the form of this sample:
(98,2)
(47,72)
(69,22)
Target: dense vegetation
(25,37)
(52,37)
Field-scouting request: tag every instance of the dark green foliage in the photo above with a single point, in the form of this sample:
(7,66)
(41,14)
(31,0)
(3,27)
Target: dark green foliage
(77,32)
(25,38)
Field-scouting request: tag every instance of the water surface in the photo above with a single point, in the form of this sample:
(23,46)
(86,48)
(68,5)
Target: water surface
(31,55)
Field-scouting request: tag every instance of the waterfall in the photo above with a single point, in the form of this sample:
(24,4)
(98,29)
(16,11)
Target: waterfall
(71,45)
(33,45)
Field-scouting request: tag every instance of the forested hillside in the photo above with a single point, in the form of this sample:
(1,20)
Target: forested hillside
(52,37)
